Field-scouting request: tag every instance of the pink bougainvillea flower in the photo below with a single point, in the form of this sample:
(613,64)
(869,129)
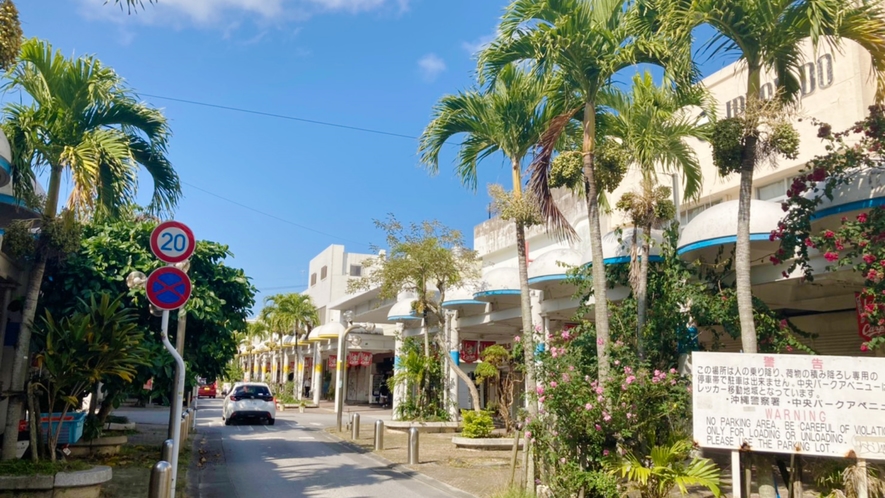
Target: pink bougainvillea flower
(617,362)
(673,382)
(571,368)
(628,370)
(553,385)
(517,339)
(600,399)
(606,417)
(789,349)
(862,217)
(783,324)
(598,427)
(588,406)
(672,370)
(600,341)
(809,242)
(562,460)
(542,399)
(829,234)
(869,259)
(538,328)
(831,256)
(528,434)
(539,389)
(599,390)
(605,453)
(657,373)
(630,379)
(864,347)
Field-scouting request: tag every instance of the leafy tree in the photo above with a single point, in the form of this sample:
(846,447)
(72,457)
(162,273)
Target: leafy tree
(99,341)
(221,299)
(585,43)
(769,36)
(426,259)
(509,117)
(506,370)
(83,121)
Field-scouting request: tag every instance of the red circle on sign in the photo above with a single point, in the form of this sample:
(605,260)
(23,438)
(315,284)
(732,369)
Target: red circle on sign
(168,288)
(160,248)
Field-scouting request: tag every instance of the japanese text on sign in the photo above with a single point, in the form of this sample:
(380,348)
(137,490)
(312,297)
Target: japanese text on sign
(817,405)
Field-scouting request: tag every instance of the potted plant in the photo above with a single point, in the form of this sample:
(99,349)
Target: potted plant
(302,404)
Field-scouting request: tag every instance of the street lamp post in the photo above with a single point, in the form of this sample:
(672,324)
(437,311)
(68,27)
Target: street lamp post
(339,367)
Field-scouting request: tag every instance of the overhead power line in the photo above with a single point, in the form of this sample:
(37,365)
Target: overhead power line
(282,116)
(250,208)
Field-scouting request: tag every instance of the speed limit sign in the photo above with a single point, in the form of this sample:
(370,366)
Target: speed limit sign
(172,242)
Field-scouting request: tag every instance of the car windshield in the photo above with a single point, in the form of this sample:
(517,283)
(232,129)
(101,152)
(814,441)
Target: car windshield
(252,392)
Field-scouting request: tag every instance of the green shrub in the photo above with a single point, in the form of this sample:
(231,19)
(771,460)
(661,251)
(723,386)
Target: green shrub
(476,424)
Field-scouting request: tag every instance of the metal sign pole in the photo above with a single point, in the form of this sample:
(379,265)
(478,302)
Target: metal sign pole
(177,399)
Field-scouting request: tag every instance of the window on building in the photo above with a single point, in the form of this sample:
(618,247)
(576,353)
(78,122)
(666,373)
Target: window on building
(356,271)
(324,271)
(313,279)
(775,191)
(690,213)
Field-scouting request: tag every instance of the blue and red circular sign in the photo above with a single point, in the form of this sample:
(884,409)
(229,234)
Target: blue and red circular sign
(172,242)
(168,288)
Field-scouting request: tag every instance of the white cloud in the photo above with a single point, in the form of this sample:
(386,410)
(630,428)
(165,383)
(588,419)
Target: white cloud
(472,47)
(224,13)
(431,66)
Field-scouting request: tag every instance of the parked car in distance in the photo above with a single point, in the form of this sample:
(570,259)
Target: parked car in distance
(250,401)
(207,391)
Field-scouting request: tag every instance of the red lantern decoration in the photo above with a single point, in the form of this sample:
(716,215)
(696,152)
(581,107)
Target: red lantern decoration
(333,360)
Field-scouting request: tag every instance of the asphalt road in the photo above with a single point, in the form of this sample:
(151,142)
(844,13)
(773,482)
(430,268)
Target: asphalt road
(294,457)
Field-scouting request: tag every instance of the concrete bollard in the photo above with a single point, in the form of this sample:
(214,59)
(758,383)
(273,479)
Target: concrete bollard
(166,450)
(160,485)
(379,435)
(355,431)
(413,446)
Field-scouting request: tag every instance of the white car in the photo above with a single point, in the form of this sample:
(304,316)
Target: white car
(250,401)
(226,397)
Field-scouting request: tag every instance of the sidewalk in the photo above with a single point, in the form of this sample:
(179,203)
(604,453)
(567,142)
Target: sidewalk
(480,473)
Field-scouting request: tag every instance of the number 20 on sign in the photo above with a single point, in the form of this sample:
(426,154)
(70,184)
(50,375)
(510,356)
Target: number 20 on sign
(172,242)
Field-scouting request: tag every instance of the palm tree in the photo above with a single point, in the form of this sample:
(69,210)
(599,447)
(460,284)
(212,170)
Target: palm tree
(586,42)
(652,123)
(768,36)
(255,330)
(508,117)
(286,313)
(85,122)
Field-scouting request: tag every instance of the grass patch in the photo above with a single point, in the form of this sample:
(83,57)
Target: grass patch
(513,492)
(28,468)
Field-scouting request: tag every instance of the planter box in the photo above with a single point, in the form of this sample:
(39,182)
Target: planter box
(429,427)
(103,446)
(113,426)
(486,443)
(80,484)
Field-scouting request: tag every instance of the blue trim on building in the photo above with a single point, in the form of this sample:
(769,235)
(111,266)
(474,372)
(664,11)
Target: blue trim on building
(456,356)
(403,317)
(461,302)
(851,206)
(5,164)
(718,241)
(626,259)
(501,292)
(8,199)
(548,278)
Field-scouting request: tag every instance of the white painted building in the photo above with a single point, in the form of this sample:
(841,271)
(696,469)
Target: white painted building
(837,87)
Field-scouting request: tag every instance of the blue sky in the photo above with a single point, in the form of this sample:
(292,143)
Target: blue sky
(375,64)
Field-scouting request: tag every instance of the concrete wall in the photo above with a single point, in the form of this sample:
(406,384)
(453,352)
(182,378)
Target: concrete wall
(333,287)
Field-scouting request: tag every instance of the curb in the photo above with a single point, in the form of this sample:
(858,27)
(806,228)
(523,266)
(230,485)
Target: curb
(402,469)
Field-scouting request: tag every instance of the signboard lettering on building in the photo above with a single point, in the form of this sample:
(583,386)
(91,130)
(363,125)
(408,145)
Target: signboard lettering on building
(365,359)
(866,330)
(469,353)
(333,362)
(813,75)
(815,405)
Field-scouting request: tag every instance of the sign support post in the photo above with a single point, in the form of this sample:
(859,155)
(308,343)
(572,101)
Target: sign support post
(863,485)
(176,399)
(735,473)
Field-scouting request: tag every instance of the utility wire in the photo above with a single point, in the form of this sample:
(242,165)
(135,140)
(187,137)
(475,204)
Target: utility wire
(282,116)
(303,227)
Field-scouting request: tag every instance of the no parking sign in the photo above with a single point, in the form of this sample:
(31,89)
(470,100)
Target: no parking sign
(168,288)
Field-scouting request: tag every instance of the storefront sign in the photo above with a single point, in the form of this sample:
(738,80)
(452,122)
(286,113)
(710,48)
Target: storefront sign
(813,75)
(333,362)
(864,328)
(471,351)
(353,359)
(365,359)
(814,405)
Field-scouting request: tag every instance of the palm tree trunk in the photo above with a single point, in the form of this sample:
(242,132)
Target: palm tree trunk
(642,291)
(598,268)
(528,331)
(525,299)
(23,345)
